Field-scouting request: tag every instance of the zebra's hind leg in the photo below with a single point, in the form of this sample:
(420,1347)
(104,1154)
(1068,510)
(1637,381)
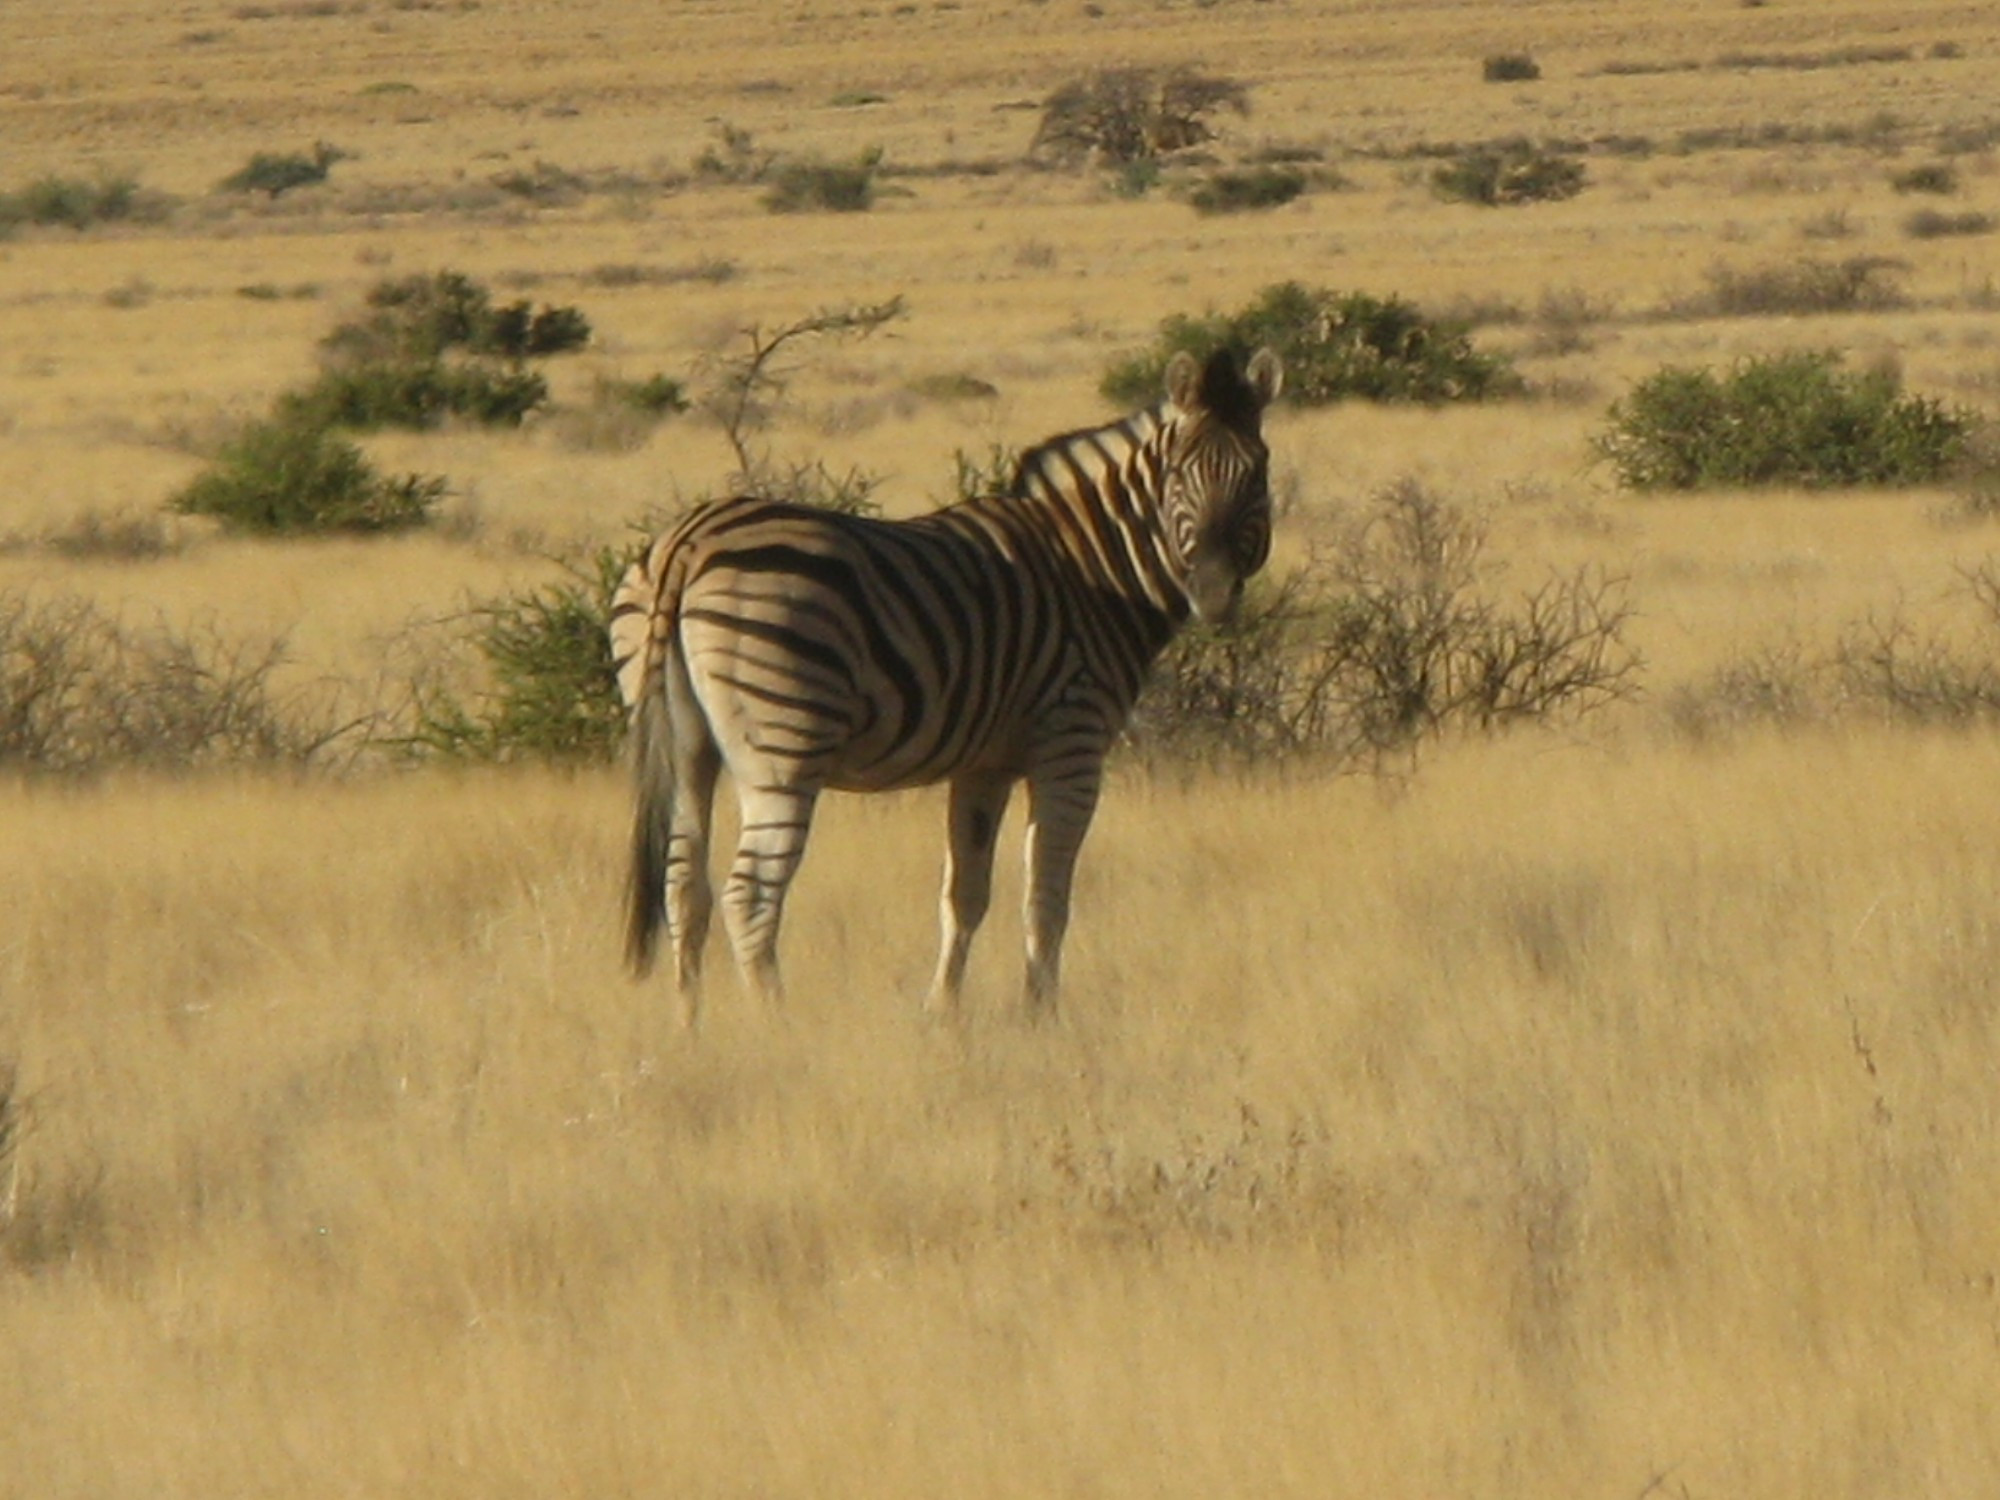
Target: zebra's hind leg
(1061,802)
(776,820)
(978,799)
(690,897)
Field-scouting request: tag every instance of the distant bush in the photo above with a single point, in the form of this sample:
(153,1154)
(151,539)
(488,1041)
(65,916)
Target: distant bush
(1793,418)
(1509,174)
(833,187)
(732,156)
(1335,345)
(1882,666)
(390,367)
(1931,177)
(547,689)
(283,476)
(1120,115)
(79,203)
(416,395)
(656,395)
(1237,189)
(81,692)
(1929,224)
(421,317)
(1510,67)
(277,173)
(1860,283)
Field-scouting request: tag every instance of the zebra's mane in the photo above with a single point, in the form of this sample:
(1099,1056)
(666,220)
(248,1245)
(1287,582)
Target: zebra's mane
(1089,448)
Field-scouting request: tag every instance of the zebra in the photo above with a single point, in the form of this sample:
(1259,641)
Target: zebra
(997,640)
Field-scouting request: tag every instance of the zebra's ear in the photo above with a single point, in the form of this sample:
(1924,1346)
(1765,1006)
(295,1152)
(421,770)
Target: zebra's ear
(1184,381)
(1266,374)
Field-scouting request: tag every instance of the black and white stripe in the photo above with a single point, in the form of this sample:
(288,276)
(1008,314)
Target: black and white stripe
(998,640)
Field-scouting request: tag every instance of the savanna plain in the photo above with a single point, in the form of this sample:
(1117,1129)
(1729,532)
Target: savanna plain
(1600,1107)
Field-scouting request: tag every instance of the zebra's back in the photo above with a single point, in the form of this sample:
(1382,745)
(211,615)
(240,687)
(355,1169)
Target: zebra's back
(865,654)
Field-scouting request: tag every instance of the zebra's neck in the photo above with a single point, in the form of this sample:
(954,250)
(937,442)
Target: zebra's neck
(1096,496)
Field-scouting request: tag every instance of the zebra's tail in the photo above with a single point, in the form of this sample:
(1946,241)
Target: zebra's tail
(644,617)
(652,828)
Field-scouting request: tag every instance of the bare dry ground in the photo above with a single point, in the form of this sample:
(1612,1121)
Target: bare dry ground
(1599,1111)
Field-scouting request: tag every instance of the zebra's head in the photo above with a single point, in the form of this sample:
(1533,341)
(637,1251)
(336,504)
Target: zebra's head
(1216,500)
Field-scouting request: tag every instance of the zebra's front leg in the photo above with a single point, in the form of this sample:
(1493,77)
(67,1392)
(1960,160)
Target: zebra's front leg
(776,820)
(1060,806)
(978,801)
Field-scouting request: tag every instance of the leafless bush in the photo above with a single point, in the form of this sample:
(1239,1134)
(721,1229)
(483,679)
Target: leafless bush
(1860,283)
(1914,676)
(82,692)
(1778,686)
(1392,638)
(1884,666)
(744,381)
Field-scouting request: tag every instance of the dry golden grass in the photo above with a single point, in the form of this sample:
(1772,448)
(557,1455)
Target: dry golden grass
(1608,1114)
(1564,1121)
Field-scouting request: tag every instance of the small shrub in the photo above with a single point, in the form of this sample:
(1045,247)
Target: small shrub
(1510,67)
(1563,320)
(1120,115)
(1793,418)
(832,187)
(548,690)
(1508,175)
(285,476)
(811,482)
(1247,188)
(977,475)
(1930,224)
(419,318)
(1932,177)
(1861,283)
(82,692)
(544,183)
(79,203)
(277,173)
(732,156)
(417,395)
(656,395)
(1394,639)
(1335,345)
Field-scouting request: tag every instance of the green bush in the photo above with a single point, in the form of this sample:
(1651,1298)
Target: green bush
(1232,191)
(1794,418)
(1335,345)
(833,187)
(548,690)
(1508,174)
(656,395)
(284,476)
(389,368)
(415,394)
(419,318)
